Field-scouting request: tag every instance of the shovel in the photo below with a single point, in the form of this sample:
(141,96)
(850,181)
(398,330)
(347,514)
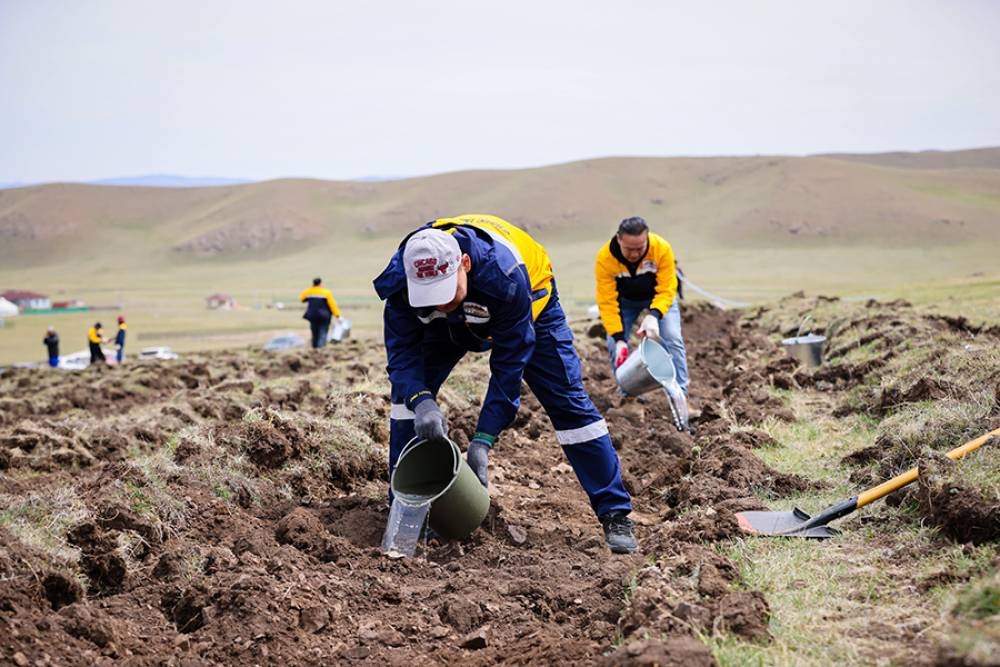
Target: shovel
(799,524)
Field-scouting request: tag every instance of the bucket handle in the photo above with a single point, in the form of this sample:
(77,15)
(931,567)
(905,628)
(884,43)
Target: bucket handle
(802,324)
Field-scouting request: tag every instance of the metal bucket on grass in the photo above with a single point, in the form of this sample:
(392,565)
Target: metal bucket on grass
(650,367)
(807,349)
(435,472)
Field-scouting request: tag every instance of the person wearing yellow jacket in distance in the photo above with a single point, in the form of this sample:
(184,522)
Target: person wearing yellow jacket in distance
(120,340)
(320,309)
(477,283)
(636,271)
(95,337)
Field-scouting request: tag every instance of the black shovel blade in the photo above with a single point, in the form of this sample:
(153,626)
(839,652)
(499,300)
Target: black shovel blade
(783,524)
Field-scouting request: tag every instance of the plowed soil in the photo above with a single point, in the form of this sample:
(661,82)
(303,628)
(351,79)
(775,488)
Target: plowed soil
(228,509)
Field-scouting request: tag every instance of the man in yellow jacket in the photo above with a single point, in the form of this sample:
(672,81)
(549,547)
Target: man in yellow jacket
(636,271)
(320,309)
(95,338)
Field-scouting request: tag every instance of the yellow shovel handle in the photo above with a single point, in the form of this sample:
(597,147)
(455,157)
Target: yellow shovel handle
(898,482)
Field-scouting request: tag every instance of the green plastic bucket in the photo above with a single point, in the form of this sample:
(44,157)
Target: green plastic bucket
(435,472)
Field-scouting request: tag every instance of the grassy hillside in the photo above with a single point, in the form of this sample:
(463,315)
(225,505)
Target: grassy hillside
(762,201)
(749,228)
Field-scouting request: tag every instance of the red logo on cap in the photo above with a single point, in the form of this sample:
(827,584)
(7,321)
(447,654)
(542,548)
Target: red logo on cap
(428,268)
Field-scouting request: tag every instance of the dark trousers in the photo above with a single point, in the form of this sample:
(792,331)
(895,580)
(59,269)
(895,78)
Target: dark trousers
(319,331)
(96,353)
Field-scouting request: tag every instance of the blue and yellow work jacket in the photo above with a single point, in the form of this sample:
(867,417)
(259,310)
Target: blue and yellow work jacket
(320,306)
(652,278)
(509,284)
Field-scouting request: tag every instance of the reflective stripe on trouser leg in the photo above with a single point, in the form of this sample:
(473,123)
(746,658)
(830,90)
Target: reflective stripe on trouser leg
(555,377)
(400,432)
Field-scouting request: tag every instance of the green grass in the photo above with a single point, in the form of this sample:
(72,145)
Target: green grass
(827,596)
(42,520)
(941,425)
(981,471)
(151,497)
(225,472)
(982,601)
(987,199)
(976,606)
(730,652)
(814,447)
(163,299)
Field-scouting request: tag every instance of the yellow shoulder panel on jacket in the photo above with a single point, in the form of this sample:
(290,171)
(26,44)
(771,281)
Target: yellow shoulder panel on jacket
(527,250)
(606,270)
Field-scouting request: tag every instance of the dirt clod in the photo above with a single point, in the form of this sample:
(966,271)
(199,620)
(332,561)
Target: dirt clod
(958,510)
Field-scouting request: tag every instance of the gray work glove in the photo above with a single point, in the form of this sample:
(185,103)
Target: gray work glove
(478,457)
(429,423)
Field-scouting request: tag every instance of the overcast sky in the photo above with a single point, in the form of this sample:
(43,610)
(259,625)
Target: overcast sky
(346,89)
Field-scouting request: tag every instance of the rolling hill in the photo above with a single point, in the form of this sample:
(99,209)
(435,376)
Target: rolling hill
(899,200)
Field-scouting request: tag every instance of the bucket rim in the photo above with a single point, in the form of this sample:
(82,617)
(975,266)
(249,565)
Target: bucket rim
(648,343)
(808,339)
(415,442)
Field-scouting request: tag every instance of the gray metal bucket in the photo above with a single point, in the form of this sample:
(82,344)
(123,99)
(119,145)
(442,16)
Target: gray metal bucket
(807,349)
(340,330)
(650,367)
(435,471)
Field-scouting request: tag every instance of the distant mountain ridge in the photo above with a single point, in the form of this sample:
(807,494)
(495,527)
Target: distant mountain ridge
(147,180)
(177,181)
(972,158)
(171,181)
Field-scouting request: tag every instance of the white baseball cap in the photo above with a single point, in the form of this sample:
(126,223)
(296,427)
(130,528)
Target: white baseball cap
(431,258)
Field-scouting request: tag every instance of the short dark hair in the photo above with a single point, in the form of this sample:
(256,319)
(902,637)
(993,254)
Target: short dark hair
(633,226)
(317,281)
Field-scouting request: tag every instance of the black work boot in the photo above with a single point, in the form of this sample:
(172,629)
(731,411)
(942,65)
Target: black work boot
(619,533)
